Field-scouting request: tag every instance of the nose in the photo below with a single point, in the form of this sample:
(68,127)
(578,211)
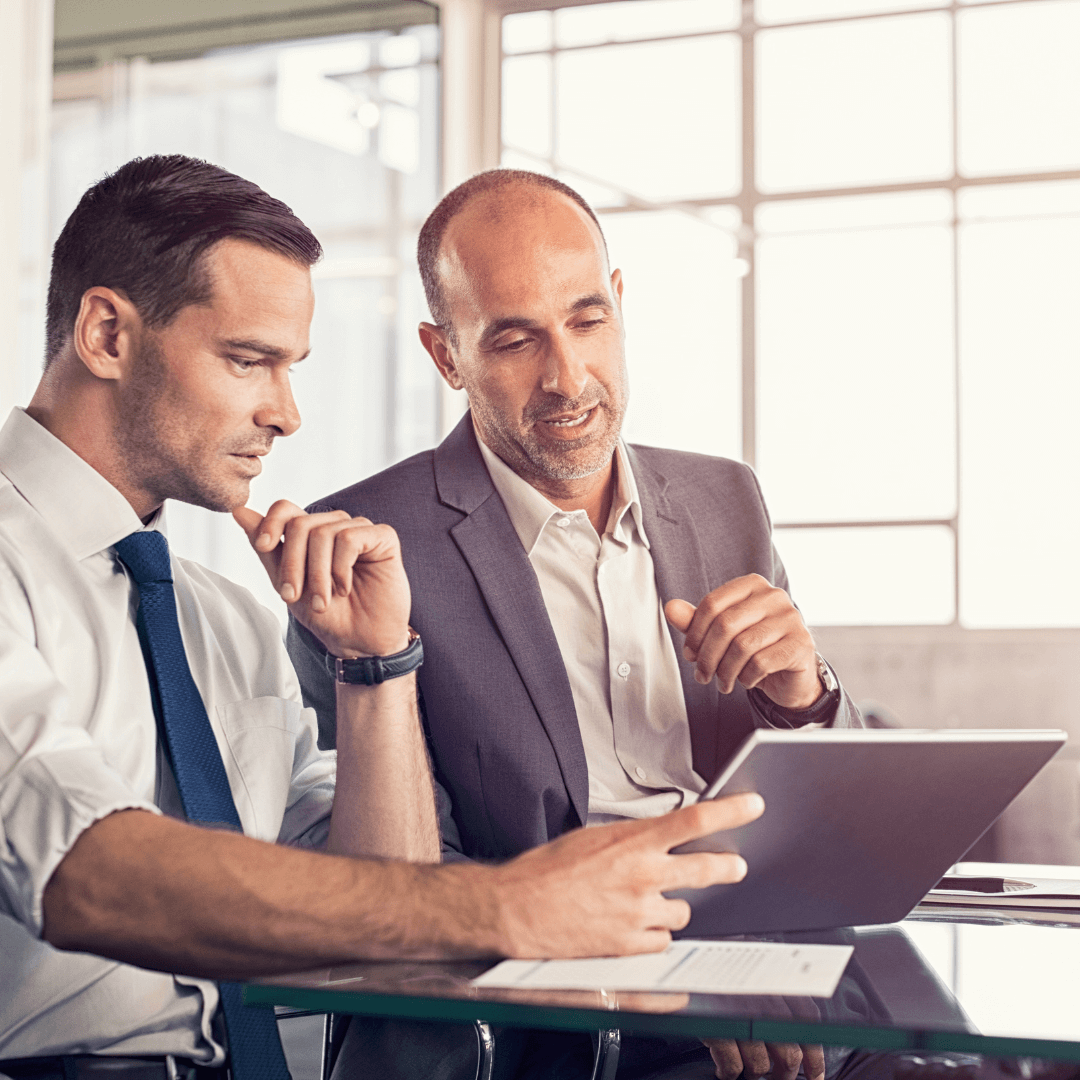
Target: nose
(280,411)
(566,373)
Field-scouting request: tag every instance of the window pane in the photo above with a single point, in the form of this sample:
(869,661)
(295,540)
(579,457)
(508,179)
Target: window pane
(783,11)
(870,577)
(526,32)
(1043,199)
(1020,379)
(855,212)
(596,24)
(684,370)
(1019,88)
(631,116)
(855,390)
(854,103)
(526,104)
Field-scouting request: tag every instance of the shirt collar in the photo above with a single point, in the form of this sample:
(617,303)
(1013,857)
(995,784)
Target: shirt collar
(81,507)
(529,511)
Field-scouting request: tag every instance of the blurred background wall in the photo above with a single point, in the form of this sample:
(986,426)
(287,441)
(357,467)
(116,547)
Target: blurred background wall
(850,232)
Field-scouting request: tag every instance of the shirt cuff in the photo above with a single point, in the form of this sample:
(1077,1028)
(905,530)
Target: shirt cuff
(820,714)
(46,803)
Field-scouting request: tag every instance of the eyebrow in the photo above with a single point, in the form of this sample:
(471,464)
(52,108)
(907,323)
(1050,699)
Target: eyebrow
(273,352)
(519,323)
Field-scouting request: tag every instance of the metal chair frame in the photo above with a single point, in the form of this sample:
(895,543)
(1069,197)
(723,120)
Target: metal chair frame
(606,1043)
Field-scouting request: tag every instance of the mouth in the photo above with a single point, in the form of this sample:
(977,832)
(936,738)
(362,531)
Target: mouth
(252,461)
(570,420)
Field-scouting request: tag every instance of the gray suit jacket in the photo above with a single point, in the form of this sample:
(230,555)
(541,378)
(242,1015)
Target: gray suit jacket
(500,717)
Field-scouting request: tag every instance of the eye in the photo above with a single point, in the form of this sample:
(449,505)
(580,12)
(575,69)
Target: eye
(243,363)
(513,346)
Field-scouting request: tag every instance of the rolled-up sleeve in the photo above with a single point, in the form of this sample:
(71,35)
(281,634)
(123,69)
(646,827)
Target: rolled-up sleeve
(54,782)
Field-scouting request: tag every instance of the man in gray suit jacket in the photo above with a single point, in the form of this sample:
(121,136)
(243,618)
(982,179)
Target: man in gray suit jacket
(603,624)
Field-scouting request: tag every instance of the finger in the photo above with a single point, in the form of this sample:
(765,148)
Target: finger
(781,655)
(665,914)
(755,1057)
(747,623)
(718,601)
(251,521)
(679,613)
(295,530)
(273,525)
(813,1062)
(726,1058)
(744,657)
(701,819)
(699,870)
(316,580)
(786,1059)
(360,541)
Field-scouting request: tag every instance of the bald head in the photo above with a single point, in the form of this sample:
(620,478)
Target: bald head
(502,193)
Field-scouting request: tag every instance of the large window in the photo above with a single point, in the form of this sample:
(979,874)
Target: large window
(850,231)
(344,130)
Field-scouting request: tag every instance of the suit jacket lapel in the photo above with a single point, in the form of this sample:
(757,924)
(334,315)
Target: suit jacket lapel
(489,544)
(680,569)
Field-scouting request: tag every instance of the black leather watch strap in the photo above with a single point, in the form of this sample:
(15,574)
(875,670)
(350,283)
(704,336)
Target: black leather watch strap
(372,670)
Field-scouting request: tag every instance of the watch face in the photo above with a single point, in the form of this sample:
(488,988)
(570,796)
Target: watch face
(828,679)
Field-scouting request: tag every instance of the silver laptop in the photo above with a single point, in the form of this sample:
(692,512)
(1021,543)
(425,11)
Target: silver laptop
(858,825)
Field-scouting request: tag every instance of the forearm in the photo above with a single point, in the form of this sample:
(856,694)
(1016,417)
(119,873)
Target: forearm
(162,894)
(384,804)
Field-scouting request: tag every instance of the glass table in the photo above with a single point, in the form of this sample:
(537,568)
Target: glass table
(993,981)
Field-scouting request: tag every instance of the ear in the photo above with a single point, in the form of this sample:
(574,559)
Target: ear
(105,333)
(616,285)
(433,338)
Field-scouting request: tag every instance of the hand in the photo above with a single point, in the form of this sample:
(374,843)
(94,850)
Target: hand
(342,577)
(781,1061)
(599,891)
(749,632)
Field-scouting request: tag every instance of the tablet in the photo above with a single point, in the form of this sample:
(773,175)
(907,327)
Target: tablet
(859,824)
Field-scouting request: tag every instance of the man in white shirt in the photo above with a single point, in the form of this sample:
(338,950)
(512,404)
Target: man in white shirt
(621,611)
(180,298)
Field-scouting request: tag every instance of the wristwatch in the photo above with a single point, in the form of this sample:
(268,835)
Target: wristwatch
(372,670)
(825,674)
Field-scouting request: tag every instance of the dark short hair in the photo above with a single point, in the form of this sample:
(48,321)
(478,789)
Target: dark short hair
(431,235)
(145,230)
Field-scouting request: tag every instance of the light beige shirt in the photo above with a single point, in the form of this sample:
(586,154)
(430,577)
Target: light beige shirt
(600,594)
(78,740)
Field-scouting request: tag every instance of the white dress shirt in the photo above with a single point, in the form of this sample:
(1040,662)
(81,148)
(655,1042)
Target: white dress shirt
(78,741)
(600,594)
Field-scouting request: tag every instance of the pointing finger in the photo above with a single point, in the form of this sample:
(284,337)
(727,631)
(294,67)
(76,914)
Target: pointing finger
(704,818)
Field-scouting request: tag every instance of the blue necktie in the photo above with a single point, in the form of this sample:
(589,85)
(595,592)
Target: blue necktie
(254,1046)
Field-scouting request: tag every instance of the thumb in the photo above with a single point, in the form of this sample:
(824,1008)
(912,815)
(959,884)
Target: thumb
(679,613)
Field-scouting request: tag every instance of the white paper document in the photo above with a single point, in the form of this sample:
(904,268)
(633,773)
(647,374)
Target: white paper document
(696,967)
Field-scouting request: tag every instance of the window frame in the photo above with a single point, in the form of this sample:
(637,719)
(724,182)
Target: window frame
(751,197)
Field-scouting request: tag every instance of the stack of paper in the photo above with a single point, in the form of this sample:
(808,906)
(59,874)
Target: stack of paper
(696,967)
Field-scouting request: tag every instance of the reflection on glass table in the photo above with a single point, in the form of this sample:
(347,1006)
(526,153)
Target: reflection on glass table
(996,985)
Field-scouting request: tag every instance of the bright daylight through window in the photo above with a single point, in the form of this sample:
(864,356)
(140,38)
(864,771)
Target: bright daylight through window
(871,295)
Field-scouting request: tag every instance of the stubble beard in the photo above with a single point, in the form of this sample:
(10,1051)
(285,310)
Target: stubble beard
(161,456)
(528,454)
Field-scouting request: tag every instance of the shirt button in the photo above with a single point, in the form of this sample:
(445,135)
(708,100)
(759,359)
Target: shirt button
(623,669)
(641,774)
(563,522)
